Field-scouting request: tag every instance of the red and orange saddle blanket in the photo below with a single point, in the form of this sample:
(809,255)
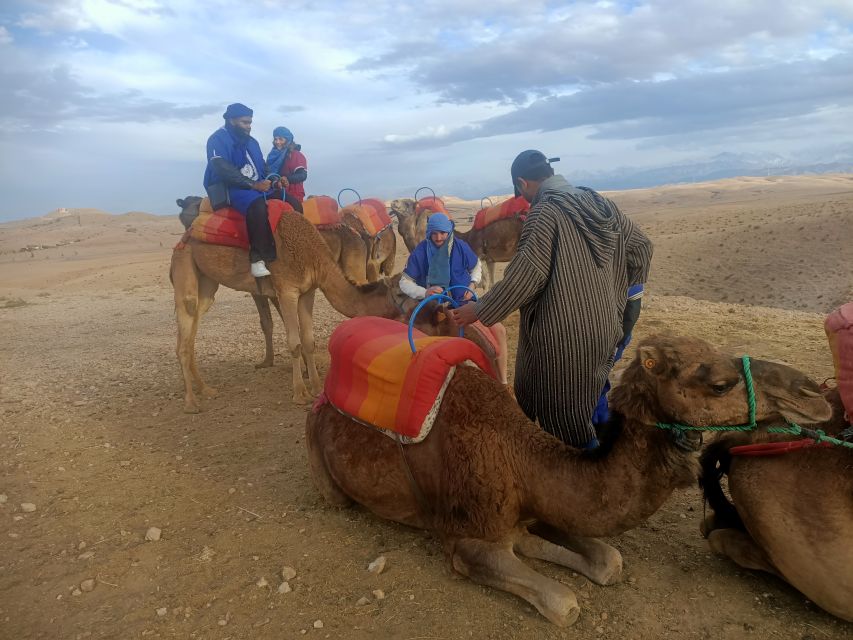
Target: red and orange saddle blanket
(517,206)
(373,215)
(322,211)
(839,331)
(432,204)
(227,226)
(376,379)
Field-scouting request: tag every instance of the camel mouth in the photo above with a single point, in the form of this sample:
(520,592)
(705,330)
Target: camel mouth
(687,441)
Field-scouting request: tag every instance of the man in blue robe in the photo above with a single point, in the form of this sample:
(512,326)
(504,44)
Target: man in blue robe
(234,177)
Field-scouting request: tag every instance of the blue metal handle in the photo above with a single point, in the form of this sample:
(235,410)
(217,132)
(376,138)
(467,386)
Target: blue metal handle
(462,286)
(435,296)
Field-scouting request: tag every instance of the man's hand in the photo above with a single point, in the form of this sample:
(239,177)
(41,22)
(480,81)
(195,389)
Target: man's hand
(469,294)
(262,185)
(464,315)
(432,291)
(284,182)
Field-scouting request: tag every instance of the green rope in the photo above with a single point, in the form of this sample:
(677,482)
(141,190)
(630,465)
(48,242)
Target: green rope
(793,428)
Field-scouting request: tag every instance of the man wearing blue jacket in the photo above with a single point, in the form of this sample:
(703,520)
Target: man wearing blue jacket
(235,178)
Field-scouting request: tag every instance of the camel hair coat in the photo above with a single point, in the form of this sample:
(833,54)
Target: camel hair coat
(577,256)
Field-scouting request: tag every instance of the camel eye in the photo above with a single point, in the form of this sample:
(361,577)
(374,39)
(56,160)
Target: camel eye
(722,388)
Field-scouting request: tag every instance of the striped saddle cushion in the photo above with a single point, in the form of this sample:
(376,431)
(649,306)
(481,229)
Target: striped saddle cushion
(431,204)
(228,226)
(375,378)
(321,211)
(517,206)
(372,214)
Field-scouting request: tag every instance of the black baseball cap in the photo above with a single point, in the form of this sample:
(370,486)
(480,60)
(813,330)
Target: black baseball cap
(530,165)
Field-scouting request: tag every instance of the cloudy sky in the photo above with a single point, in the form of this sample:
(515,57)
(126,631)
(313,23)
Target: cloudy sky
(108,103)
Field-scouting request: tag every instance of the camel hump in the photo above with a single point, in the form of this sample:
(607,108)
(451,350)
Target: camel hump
(375,378)
(839,331)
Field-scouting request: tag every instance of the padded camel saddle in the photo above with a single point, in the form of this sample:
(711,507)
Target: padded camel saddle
(375,378)
(228,226)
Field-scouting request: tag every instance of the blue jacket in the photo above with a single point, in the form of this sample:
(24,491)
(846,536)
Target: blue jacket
(245,154)
(462,262)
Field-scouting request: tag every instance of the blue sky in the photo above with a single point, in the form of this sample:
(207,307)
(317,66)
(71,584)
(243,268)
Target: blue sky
(108,103)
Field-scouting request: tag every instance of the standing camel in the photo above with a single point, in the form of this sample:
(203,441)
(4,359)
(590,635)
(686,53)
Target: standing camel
(486,471)
(411,222)
(303,265)
(380,249)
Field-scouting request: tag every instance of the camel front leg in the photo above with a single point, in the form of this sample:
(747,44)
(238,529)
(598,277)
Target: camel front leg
(289,310)
(263,305)
(185,311)
(601,563)
(740,547)
(494,564)
(206,294)
(306,335)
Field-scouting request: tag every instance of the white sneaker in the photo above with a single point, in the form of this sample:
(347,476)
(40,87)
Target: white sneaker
(259,269)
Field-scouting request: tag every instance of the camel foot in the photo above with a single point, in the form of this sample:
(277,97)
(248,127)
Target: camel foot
(606,570)
(191,407)
(303,396)
(316,387)
(265,364)
(208,392)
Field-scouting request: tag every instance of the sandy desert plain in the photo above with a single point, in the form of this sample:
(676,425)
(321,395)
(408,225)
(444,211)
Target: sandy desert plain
(94,435)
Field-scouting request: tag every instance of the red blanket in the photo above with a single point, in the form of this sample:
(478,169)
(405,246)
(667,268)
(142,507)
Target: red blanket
(372,214)
(432,204)
(228,227)
(517,206)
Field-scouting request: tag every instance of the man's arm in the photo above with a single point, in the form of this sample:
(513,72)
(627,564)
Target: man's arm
(527,273)
(638,250)
(229,174)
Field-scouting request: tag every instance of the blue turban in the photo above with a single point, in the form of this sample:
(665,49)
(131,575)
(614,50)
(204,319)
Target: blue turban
(237,110)
(439,222)
(282,132)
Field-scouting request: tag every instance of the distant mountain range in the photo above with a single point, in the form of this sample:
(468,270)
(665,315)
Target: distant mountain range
(717,167)
(722,165)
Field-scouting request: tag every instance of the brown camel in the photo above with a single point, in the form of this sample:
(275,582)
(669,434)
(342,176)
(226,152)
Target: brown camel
(303,265)
(792,516)
(496,242)
(485,471)
(345,244)
(410,223)
(380,250)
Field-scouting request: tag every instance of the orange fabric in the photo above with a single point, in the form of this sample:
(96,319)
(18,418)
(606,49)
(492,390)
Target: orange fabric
(839,331)
(431,203)
(375,378)
(321,211)
(517,206)
(228,227)
(373,215)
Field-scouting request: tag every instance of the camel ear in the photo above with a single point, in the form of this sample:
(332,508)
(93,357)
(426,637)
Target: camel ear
(650,357)
(180,202)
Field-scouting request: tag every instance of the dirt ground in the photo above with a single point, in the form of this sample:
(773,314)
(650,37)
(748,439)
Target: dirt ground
(92,433)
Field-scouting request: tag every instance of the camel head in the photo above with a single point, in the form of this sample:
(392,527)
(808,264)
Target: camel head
(189,209)
(686,380)
(402,208)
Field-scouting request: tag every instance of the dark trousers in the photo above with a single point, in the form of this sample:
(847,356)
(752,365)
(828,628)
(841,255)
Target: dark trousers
(261,241)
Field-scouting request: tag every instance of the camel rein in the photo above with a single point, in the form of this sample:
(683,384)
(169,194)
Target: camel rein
(811,437)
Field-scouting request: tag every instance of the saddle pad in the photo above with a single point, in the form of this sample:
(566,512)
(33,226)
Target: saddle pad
(228,226)
(517,206)
(321,211)
(432,204)
(375,378)
(373,215)
(839,331)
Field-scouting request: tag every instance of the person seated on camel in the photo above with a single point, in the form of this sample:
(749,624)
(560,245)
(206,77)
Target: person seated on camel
(234,178)
(287,160)
(440,261)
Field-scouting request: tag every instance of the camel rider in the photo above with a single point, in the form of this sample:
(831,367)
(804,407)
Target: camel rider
(235,178)
(442,260)
(287,160)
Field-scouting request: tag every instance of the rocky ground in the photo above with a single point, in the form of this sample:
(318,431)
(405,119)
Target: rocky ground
(122,517)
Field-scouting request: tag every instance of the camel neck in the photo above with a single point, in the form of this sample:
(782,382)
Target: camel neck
(596,494)
(353,301)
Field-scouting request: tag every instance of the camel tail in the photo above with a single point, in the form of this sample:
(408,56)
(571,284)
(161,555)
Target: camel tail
(715,463)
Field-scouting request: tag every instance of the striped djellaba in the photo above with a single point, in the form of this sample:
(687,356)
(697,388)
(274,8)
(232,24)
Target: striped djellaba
(577,256)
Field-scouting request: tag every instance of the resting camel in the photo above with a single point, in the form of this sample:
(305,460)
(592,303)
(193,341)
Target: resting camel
(486,472)
(380,250)
(303,265)
(792,516)
(344,242)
